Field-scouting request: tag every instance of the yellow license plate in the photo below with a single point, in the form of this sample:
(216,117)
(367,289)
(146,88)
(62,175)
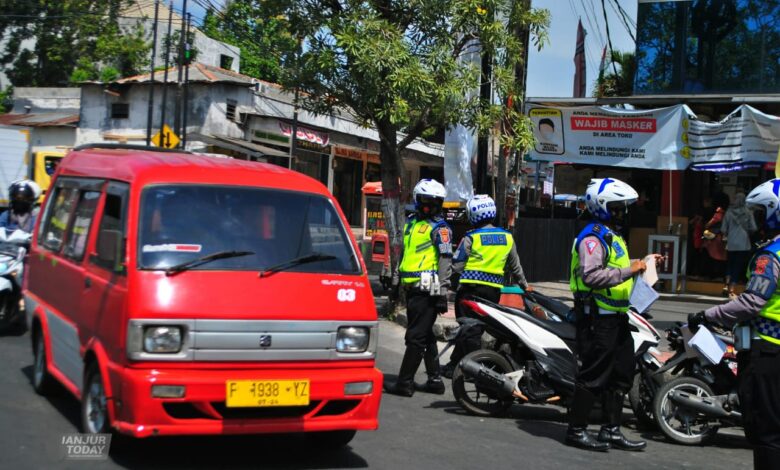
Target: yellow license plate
(246,393)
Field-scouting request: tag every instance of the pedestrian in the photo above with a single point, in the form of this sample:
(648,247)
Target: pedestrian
(737,226)
(424,272)
(483,257)
(758,308)
(601,281)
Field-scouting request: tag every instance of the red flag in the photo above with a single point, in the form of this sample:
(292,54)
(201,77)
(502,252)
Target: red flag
(579,62)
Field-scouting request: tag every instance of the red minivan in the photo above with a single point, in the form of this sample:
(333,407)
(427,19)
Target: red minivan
(175,293)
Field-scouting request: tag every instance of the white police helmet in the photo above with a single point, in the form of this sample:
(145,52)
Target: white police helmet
(430,188)
(481,208)
(767,196)
(603,194)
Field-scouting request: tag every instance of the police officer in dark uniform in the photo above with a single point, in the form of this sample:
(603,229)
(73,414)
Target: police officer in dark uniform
(758,309)
(483,257)
(424,271)
(601,281)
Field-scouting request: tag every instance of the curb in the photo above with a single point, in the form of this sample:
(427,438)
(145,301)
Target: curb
(565,296)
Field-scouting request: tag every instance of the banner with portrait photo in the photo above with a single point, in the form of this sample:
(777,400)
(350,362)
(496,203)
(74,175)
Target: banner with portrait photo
(595,135)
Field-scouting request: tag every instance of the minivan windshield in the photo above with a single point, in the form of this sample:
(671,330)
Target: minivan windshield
(181,223)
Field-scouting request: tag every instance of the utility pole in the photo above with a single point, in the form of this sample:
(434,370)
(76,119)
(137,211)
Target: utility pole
(179,88)
(165,73)
(485,96)
(150,112)
(185,107)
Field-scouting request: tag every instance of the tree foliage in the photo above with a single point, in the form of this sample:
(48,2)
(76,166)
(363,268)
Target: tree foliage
(620,83)
(52,43)
(257,28)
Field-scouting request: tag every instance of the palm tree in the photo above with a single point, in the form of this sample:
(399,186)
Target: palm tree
(620,83)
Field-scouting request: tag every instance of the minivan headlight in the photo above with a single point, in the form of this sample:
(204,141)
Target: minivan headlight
(352,339)
(162,339)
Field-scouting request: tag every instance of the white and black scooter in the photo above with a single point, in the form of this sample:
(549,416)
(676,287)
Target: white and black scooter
(533,359)
(13,250)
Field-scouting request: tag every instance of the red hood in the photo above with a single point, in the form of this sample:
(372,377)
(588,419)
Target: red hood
(244,295)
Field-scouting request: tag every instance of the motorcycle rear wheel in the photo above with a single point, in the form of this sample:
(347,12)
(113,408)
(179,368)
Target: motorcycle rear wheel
(9,312)
(680,425)
(471,397)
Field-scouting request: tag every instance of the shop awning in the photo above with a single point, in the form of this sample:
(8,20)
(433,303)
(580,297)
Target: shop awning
(372,189)
(238,145)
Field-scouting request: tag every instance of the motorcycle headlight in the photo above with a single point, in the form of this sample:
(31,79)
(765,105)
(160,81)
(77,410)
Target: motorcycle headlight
(162,339)
(352,339)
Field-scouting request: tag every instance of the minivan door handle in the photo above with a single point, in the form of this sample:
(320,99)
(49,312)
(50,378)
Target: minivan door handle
(87,283)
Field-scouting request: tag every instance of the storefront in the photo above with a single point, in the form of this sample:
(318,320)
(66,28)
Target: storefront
(352,168)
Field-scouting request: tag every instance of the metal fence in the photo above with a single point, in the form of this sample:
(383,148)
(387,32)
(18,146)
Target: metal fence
(544,246)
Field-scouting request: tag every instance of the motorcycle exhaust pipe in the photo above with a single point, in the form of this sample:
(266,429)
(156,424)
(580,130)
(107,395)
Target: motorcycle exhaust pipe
(497,383)
(709,406)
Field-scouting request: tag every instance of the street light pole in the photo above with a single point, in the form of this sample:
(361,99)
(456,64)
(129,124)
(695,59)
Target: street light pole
(150,111)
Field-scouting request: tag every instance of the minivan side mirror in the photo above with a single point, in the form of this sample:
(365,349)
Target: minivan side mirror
(109,244)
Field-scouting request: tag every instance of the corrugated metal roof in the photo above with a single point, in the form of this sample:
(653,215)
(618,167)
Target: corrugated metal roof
(198,73)
(40,119)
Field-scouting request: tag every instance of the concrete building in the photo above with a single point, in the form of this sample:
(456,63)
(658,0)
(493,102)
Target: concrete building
(51,114)
(239,116)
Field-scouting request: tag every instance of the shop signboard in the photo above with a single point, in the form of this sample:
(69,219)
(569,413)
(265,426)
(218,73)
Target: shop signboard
(302,133)
(375,218)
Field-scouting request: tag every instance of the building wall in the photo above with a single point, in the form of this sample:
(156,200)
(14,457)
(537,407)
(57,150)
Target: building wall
(206,111)
(43,99)
(52,138)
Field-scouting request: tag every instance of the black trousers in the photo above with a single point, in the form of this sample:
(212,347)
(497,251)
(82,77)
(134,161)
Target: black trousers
(759,397)
(606,350)
(421,315)
(473,340)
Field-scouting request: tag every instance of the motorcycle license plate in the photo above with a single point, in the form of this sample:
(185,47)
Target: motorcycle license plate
(257,393)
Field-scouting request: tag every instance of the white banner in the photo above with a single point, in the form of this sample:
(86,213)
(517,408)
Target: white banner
(651,139)
(747,137)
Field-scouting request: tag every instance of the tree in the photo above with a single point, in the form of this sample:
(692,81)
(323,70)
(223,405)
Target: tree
(257,28)
(620,83)
(397,66)
(46,41)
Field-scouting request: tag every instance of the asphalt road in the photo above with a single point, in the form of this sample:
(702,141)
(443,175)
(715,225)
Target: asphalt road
(422,432)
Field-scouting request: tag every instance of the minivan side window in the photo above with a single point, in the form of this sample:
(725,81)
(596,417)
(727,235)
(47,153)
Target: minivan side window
(114,218)
(58,217)
(78,233)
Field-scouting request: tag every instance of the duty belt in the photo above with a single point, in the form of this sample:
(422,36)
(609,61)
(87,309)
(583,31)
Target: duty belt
(414,274)
(482,276)
(767,327)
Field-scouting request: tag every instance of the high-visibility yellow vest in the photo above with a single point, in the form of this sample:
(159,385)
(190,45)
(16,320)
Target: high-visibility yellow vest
(613,299)
(490,248)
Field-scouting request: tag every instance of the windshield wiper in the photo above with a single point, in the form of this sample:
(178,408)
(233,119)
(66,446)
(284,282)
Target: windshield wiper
(205,259)
(295,262)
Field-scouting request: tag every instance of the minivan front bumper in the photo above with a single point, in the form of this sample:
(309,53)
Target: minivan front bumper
(202,409)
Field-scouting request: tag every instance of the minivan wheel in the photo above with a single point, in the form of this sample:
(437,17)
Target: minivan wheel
(43,382)
(94,408)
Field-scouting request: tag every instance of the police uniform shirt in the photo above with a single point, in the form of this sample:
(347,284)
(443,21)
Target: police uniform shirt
(592,270)
(441,236)
(760,288)
(513,265)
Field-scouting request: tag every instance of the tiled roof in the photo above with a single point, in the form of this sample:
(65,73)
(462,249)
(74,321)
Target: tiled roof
(40,119)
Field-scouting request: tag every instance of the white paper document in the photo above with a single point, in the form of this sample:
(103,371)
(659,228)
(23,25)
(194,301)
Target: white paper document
(708,345)
(651,274)
(643,295)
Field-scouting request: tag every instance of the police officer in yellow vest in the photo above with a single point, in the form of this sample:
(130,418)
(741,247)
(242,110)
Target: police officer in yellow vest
(424,271)
(483,257)
(601,281)
(758,309)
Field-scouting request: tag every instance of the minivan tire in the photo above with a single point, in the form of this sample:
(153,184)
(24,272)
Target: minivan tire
(43,383)
(94,405)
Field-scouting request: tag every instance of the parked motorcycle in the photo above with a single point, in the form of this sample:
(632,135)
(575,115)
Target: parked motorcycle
(533,360)
(690,408)
(13,250)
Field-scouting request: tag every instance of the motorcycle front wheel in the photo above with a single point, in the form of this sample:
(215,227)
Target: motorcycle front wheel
(474,399)
(679,424)
(9,311)
(640,397)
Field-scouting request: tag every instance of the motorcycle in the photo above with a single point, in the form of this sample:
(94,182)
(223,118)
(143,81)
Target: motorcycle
(690,408)
(13,250)
(533,359)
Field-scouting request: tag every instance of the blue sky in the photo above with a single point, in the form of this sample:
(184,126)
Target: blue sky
(551,71)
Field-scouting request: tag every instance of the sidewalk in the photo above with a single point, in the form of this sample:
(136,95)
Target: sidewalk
(446,322)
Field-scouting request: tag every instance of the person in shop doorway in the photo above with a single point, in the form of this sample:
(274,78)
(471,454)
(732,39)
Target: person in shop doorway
(758,310)
(601,281)
(424,272)
(738,224)
(483,257)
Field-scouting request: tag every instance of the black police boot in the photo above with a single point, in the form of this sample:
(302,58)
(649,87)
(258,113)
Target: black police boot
(404,384)
(610,433)
(578,436)
(434,384)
